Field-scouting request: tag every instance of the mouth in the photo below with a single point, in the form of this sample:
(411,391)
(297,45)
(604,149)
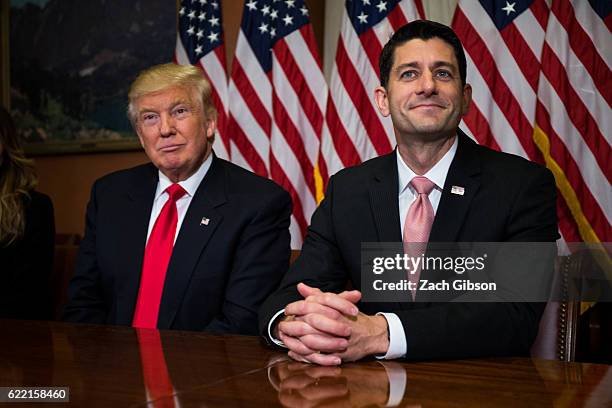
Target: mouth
(170,148)
(427,106)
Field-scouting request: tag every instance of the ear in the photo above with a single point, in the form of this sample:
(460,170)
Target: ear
(380,96)
(467,98)
(211,125)
(138,133)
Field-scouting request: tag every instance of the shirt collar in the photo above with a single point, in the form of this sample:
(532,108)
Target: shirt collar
(190,185)
(437,174)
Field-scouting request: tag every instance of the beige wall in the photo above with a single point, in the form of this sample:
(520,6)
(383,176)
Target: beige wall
(68,180)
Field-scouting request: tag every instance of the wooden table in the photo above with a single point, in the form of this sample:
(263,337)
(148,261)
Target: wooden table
(110,366)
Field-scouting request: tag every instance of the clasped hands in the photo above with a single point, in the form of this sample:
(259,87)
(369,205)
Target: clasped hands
(327,328)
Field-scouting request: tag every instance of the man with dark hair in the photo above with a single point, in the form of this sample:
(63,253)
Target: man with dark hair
(437,186)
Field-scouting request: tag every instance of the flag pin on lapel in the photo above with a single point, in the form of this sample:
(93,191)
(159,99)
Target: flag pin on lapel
(204,221)
(457,190)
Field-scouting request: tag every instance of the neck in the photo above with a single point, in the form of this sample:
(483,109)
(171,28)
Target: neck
(421,155)
(177,177)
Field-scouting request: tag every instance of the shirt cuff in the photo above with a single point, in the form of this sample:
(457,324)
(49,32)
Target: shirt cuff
(271,323)
(397,337)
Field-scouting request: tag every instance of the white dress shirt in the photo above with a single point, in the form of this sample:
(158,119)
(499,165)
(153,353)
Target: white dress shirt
(407,195)
(190,185)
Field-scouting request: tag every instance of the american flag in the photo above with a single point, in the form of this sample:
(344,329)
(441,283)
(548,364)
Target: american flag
(503,45)
(355,131)
(278,96)
(573,115)
(524,70)
(199,41)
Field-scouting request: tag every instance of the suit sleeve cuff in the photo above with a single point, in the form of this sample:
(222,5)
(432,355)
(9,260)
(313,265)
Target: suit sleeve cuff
(397,337)
(271,324)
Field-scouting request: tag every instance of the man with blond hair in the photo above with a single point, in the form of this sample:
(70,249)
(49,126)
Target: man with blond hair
(188,241)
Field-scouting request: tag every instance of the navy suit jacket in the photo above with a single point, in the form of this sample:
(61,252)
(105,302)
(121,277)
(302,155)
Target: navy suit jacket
(218,275)
(506,198)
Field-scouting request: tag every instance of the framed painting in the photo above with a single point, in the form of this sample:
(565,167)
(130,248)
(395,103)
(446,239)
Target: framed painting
(71,63)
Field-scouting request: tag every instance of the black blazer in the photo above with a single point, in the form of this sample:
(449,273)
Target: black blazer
(26,265)
(506,198)
(218,275)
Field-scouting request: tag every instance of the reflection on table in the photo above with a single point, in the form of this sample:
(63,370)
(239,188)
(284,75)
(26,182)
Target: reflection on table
(119,366)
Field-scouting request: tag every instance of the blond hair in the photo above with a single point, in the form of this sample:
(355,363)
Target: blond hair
(17,180)
(160,77)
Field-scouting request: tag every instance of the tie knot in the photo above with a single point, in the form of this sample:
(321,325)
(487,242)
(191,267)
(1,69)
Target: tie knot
(175,191)
(422,185)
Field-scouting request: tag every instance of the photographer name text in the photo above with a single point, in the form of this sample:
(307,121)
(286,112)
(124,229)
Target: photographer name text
(426,285)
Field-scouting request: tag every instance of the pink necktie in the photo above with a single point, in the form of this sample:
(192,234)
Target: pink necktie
(417,225)
(155,264)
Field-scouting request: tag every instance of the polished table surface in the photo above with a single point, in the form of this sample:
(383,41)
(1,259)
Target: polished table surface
(111,366)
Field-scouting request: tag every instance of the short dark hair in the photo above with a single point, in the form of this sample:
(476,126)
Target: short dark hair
(424,30)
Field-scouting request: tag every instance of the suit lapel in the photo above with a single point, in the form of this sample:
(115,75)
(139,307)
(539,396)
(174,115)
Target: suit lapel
(199,224)
(464,172)
(135,216)
(383,190)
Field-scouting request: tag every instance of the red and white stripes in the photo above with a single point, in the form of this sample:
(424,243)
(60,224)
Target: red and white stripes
(214,67)
(276,118)
(542,90)
(355,131)
(574,116)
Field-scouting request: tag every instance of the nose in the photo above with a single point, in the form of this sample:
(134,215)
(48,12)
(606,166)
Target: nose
(427,84)
(167,126)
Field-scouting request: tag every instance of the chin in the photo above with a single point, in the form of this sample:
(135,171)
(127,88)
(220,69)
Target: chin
(433,129)
(434,126)
(171,165)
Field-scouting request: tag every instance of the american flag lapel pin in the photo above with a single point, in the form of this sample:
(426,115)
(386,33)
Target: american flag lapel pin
(457,190)
(204,221)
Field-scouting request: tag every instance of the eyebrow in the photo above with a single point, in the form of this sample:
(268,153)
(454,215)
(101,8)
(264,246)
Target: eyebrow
(172,106)
(436,64)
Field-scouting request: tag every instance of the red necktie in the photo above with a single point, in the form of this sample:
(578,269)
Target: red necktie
(418,223)
(155,264)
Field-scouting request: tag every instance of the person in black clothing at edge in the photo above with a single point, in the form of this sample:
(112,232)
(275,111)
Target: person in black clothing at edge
(27,233)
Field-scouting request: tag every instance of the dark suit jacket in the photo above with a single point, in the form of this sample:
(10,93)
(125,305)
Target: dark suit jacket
(506,198)
(26,265)
(218,275)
